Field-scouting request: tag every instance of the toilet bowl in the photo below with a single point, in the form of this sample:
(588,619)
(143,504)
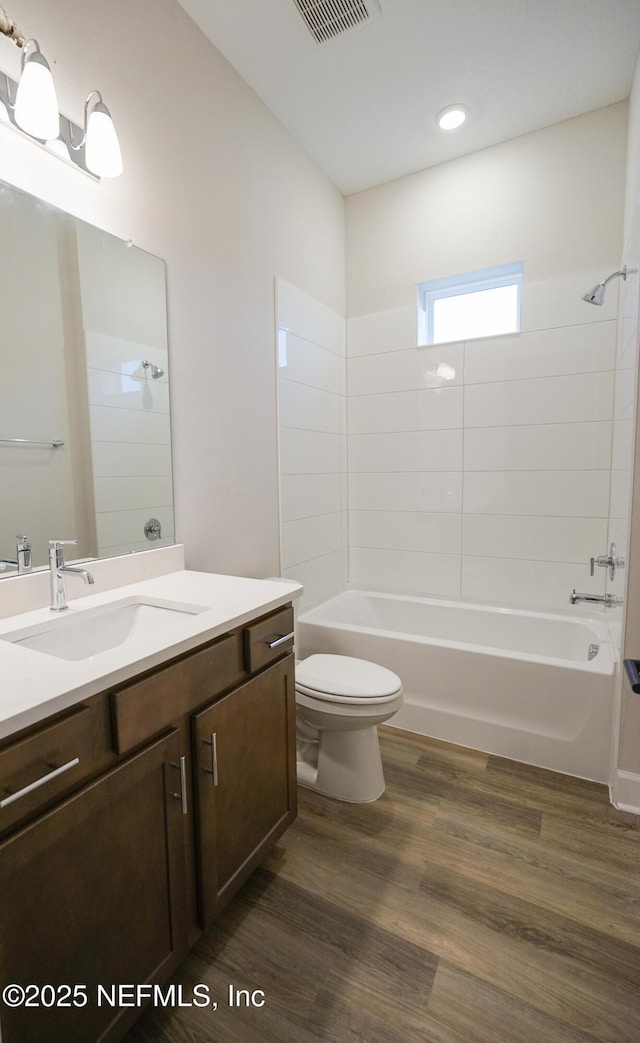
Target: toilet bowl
(340,701)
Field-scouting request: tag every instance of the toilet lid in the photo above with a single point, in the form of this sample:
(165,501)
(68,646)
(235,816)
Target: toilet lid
(341,675)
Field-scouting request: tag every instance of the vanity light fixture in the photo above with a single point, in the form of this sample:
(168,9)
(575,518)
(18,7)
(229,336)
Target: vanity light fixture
(102,154)
(452,117)
(36,107)
(31,106)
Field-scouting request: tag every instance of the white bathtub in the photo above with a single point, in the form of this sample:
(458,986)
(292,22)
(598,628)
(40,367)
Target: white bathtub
(515,683)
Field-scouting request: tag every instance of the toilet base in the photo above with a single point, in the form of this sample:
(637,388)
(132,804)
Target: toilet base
(349,766)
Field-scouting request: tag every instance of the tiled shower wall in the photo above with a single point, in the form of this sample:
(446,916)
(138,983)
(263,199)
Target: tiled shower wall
(483,468)
(312,430)
(123,305)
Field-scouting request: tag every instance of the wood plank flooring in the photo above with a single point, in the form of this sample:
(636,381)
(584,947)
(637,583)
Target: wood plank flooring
(479,901)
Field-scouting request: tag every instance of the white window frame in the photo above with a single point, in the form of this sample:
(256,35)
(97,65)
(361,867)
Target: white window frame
(468,282)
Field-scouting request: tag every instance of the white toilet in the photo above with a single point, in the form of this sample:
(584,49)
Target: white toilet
(339,703)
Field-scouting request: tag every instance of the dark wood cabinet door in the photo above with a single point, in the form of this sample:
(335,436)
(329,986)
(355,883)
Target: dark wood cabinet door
(244,756)
(93,894)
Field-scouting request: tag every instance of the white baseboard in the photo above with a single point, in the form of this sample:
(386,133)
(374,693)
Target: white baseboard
(625,792)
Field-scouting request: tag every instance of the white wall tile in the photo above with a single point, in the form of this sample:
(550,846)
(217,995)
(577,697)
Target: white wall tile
(622,454)
(127,392)
(425,367)
(534,416)
(433,491)
(408,530)
(121,493)
(624,395)
(548,584)
(129,425)
(383,331)
(538,447)
(590,347)
(310,538)
(122,458)
(407,451)
(303,495)
(309,452)
(310,408)
(120,528)
(533,538)
(578,398)
(628,296)
(619,534)
(427,410)
(620,505)
(578,494)
(106,352)
(558,302)
(311,364)
(320,577)
(627,341)
(405,570)
(312,441)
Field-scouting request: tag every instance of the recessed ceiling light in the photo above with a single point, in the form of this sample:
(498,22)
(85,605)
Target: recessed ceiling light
(452,117)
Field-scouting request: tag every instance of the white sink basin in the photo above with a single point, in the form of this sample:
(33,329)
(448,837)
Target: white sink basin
(84,633)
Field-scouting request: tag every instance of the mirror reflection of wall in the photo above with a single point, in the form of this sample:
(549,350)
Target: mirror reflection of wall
(45,491)
(80,312)
(125,324)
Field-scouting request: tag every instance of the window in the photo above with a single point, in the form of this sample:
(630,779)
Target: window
(485,303)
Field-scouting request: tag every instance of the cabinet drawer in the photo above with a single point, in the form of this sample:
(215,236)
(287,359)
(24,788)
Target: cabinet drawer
(263,642)
(45,763)
(147,707)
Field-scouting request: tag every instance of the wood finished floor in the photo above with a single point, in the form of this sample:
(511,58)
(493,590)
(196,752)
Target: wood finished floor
(479,901)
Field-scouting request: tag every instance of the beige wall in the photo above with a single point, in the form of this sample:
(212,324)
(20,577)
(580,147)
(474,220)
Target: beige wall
(553,199)
(215,186)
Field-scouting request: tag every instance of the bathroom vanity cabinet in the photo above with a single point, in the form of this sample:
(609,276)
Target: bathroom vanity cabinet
(244,781)
(175,785)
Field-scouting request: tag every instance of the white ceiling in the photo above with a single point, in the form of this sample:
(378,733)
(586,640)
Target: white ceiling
(363,105)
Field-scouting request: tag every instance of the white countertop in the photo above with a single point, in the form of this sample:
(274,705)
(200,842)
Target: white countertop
(34,685)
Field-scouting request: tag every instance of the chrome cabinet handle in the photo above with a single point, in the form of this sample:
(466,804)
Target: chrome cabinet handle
(39,782)
(213,744)
(182,795)
(278,641)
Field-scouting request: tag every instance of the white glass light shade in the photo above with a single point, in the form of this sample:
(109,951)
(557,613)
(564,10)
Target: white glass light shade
(36,110)
(102,148)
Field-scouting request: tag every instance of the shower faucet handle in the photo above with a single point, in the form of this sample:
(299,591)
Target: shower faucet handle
(608,561)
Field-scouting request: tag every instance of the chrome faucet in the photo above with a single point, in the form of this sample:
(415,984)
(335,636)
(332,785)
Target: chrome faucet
(609,561)
(608,600)
(22,559)
(57,572)
(23,554)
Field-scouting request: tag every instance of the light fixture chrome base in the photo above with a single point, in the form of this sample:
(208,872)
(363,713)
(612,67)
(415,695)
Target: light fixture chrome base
(62,146)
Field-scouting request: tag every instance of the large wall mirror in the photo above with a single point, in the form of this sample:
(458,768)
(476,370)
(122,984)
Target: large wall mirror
(85,446)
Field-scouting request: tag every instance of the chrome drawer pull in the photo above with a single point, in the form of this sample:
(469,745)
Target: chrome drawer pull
(182,795)
(213,770)
(278,641)
(39,782)
(214,758)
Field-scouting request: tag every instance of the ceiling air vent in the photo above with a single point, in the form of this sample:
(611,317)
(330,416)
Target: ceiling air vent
(327,19)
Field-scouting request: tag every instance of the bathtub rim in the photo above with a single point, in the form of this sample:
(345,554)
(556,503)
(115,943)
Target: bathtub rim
(604,664)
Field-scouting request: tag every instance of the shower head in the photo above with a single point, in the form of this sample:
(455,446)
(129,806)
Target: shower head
(596,294)
(156,372)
